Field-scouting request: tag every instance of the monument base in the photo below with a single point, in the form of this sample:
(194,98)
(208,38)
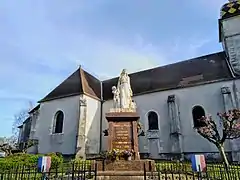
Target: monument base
(124,175)
(123,165)
(124,170)
(123,133)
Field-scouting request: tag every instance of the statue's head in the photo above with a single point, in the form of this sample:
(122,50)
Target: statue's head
(124,71)
(114,88)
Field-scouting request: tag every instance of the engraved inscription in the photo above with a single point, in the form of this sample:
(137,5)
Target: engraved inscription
(121,166)
(122,136)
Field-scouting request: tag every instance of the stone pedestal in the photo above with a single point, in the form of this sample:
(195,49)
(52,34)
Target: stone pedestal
(122,165)
(122,133)
(125,170)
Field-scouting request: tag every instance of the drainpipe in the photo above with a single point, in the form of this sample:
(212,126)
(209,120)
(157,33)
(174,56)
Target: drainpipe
(101,119)
(78,126)
(235,94)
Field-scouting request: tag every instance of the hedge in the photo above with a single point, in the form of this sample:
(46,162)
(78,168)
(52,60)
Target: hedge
(28,160)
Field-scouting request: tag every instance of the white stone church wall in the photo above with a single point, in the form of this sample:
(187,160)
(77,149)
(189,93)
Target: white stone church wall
(106,107)
(66,141)
(93,125)
(208,96)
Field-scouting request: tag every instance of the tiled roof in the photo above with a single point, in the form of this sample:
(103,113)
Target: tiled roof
(205,69)
(34,109)
(191,72)
(80,82)
(230,9)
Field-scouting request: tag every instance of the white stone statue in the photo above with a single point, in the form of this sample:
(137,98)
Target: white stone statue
(122,95)
(125,90)
(116,99)
(133,105)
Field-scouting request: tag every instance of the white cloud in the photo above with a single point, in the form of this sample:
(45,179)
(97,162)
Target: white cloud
(190,47)
(39,49)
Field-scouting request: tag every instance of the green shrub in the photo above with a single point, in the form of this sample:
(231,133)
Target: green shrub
(81,161)
(56,160)
(81,164)
(19,160)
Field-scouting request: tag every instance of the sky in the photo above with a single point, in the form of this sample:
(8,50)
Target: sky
(42,42)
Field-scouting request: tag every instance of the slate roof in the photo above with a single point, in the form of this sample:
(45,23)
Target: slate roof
(21,126)
(27,120)
(80,82)
(205,69)
(34,109)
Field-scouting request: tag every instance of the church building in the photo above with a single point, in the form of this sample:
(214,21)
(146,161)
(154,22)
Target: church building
(169,99)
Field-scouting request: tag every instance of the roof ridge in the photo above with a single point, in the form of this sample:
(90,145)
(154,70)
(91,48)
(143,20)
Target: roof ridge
(167,65)
(81,80)
(86,86)
(86,71)
(211,68)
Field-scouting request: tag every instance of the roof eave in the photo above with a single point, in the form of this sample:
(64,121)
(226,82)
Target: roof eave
(59,97)
(180,87)
(34,109)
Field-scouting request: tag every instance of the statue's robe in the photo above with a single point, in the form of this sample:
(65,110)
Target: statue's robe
(125,91)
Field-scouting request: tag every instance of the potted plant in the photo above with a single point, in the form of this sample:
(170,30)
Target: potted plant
(113,154)
(127,154)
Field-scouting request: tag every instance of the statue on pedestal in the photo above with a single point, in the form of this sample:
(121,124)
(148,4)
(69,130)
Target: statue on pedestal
(125,90)
(122,94)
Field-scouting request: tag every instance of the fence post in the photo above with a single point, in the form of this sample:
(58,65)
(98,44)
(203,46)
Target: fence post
(103,165)
(95,170)
(73,171)
(84,170)
(199,173)
(144,171)
(44,176)
(90,171)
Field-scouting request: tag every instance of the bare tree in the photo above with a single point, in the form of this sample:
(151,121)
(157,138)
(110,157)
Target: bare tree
(7,145)
(19,118)
(28,144)
(230,130)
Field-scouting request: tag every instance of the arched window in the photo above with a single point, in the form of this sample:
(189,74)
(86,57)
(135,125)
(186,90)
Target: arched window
(197,113)
(58,125)
(152,121)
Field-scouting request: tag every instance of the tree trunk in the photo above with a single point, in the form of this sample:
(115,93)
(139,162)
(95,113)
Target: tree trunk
(223,155)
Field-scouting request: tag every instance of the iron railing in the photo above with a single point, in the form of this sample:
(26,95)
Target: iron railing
(178,170)
(66,171)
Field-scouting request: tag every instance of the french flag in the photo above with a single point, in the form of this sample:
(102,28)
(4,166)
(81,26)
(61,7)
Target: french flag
(198,163)
(44,163)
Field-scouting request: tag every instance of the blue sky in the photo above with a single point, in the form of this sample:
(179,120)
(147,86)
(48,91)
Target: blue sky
(42,42)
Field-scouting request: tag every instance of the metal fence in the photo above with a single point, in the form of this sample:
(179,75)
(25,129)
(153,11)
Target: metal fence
(183,171)
(67,171)
(88,170)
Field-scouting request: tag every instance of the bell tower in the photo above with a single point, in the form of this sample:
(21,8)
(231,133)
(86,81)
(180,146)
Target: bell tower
(229,33)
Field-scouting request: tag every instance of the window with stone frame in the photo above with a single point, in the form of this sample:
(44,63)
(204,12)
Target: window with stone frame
(58,122)
(152,121)
(197,113)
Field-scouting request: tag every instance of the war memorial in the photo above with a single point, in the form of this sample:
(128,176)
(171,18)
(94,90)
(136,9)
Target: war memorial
(122,158)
